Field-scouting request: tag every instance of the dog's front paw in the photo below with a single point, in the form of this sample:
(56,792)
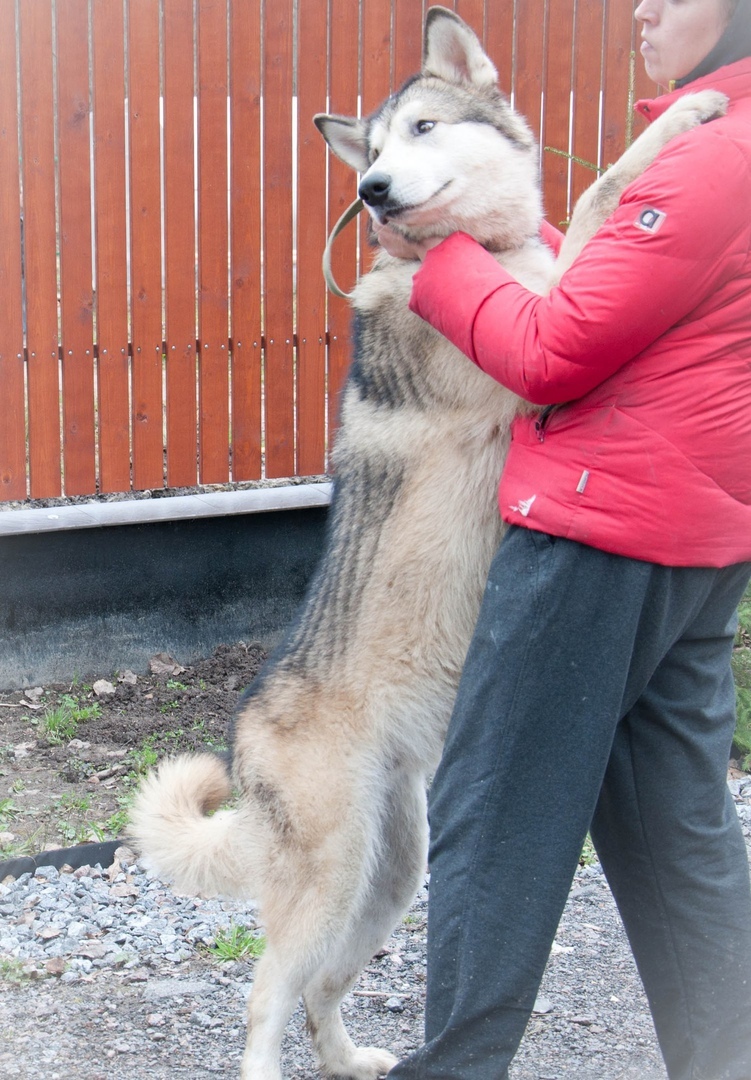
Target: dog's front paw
(698,108)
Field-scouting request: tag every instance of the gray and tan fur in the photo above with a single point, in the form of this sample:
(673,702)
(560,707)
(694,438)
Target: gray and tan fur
(335,740)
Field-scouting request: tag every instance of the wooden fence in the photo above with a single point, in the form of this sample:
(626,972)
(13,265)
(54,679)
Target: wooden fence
(165,200)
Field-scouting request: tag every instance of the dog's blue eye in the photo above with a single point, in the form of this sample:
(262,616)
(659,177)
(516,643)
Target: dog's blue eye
(422,127)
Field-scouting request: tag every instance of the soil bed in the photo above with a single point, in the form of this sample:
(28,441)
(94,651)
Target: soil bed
(70,756)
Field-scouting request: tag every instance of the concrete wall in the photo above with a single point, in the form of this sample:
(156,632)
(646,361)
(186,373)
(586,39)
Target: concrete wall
(93,600)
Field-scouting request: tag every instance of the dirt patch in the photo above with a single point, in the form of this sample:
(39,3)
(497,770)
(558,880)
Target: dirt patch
(71,755)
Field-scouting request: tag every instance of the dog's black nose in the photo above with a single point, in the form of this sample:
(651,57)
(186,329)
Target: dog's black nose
(375,189)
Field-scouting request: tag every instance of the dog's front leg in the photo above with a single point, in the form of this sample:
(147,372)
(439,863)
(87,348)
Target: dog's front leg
(600,200)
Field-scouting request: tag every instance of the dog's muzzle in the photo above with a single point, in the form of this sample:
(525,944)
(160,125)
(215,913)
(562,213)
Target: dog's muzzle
(375,189)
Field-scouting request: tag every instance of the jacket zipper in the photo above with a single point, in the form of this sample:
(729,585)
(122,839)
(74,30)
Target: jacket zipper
(542,420)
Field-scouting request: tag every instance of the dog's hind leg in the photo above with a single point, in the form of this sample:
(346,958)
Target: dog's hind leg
(400,865)
(306,906)
(276,991)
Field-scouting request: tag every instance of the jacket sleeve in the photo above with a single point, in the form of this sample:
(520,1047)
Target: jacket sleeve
(638,277)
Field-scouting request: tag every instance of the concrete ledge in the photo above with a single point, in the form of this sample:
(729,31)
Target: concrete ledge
(94,515)
(98,597)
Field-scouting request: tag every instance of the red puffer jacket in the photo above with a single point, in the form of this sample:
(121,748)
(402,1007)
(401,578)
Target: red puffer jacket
(648,341)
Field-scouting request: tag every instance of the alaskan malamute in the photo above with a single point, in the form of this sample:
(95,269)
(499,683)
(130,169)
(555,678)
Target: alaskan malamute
(334,741)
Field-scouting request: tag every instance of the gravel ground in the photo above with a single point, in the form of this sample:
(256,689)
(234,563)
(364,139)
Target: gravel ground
(109,974)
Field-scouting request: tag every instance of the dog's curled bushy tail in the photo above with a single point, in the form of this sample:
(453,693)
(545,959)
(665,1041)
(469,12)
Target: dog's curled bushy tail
(174,827)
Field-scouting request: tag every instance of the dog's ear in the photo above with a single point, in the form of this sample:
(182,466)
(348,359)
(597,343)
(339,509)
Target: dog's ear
(453,52)
(347,137)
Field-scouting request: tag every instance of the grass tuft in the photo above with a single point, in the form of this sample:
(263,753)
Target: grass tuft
(60,724)
(237,943)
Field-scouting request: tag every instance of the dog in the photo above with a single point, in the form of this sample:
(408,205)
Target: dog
(335,740)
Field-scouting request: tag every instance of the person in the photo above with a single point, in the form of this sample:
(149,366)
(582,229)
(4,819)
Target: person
(597,692)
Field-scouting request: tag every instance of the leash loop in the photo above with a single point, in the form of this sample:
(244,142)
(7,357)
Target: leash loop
(349,215)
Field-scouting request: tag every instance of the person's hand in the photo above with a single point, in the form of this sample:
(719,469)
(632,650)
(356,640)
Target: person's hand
(400,247)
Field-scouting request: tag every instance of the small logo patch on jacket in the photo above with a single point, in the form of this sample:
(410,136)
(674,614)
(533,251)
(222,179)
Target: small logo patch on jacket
(525,505)
(650,220)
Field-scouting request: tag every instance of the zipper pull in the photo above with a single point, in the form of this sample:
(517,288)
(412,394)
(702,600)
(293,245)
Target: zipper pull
(542,420)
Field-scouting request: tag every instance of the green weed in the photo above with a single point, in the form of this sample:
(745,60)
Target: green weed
(8,809)
(588,856)
(13,971)
(168,706)
(19,849)
(144,758)
(742,674)
(60,723)
(237,943)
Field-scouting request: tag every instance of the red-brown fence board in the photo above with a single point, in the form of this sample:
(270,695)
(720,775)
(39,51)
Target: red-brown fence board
(40,249)
(12,405)
(615,84)
(145,245)
(406,41)
(343,91)
(375,66)
(375,53)
(530,61)
(180,245)
(113,361)
(246,226)
(213,282)
(499,40)
(310,242)
(77,299)
(558,71)
(473,13)
(588,66)
(260,397)
(277,233)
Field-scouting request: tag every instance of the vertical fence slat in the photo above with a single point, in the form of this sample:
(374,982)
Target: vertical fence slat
(77,300)
(619,21)
(40,249)
(473,13)
(376,53)
(343,90)
(12,404)
(277,233)
(499,40)
(558,71)
(406,41)
(311,239)
(530,61)
(213,282)
(587,81)
(113,364)
(145,213)
(245,98)
(375,60)
(180,245)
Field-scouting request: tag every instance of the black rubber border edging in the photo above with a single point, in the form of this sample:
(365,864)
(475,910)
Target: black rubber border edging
(83,855)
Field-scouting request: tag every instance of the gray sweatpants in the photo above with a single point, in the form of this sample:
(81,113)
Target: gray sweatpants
(597,694)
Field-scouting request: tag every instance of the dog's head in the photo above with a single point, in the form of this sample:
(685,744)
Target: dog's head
(446,152)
